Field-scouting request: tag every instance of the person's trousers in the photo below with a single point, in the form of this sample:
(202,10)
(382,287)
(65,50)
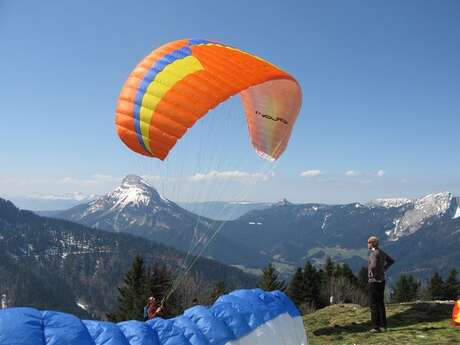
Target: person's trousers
(377,305)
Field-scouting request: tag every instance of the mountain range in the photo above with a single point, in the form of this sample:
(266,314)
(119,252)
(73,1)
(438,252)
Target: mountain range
(287,234)
(223,210)
(56,264)
(138,209)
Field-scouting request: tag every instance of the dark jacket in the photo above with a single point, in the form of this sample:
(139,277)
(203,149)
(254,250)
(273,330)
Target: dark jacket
(378,262)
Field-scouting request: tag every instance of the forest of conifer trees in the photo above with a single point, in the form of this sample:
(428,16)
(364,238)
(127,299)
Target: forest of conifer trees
(310,288)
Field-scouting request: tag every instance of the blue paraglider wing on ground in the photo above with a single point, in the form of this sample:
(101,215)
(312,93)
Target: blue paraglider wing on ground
(243,317)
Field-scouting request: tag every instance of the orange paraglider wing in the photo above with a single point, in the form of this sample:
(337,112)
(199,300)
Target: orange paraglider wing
(178,83)
(456,313)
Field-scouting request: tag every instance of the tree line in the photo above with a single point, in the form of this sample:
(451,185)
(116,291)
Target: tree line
(158,280)
(310,288)
(313,287)
(407,288)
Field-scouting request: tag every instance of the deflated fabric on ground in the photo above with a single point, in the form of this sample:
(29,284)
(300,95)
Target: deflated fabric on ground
(243,317)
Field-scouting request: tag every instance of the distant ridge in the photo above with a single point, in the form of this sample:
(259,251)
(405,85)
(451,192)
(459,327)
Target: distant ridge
(284,233)
(138,209)
(56,264)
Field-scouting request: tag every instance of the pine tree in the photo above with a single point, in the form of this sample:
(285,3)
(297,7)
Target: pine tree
(270,280)
(328,291)
(133,294)
(435,288)
(345,284)
(363,279)
(160,285)
(337,271)
(406,289)
(323,298)
(296,288)
(218,290)
(312,285)
(347,273)
(329,267)
(452,286)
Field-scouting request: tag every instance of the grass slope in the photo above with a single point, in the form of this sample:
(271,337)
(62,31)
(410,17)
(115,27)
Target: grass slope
(408,323)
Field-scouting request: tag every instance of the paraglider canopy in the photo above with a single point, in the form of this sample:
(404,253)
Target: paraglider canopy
(179,82)
(243,317)
(456,313)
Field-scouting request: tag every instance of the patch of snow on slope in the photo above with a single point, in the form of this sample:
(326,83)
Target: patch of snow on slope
(392,202)
(254,223)
(323,226)
(457,213)
(255,271)
(133,195)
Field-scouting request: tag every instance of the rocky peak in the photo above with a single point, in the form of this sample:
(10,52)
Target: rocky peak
(133,180)
(437,203)
(284,202)
(136,192)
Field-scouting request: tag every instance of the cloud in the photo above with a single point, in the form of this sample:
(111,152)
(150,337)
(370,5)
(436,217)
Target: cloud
(235,175)
(105,178)
(352,173)
(78,196)
(61,182)
(68,179)
(93,180)
(310,173)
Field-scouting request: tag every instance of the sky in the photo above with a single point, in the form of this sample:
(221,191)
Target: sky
(380,82)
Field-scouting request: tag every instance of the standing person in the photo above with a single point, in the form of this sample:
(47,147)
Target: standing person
(152,309)
(378,263)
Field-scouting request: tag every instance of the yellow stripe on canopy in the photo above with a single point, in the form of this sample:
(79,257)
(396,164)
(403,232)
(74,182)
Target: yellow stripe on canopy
(158,88)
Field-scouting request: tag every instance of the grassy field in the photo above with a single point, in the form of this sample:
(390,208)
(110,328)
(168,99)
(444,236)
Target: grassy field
(408,323)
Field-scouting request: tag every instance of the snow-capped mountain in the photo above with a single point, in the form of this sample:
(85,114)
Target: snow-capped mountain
(137,208)
(421,212)
(290,234)
(133,207)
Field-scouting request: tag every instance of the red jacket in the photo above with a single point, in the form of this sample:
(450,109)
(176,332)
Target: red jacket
(152,310)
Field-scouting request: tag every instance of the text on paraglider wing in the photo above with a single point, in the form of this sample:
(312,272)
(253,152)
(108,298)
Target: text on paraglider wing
(272,118)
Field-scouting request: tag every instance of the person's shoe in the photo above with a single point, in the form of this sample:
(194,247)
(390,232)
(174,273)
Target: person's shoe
(375,330)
